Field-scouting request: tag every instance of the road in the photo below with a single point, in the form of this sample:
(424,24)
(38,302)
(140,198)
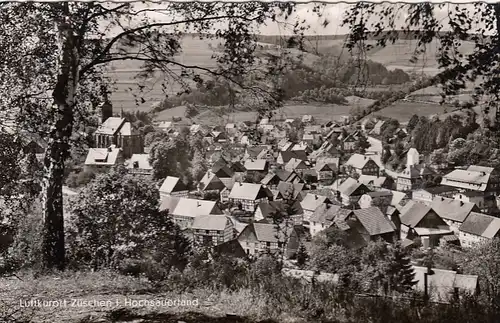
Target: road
(376,152)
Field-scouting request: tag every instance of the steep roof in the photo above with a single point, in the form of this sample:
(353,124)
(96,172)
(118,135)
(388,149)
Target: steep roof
(267,232)
(193,207)
(284,187)
(313,201)
(325,213)
(297,154)
(295,163)
(413,212)
(349,186)
(358,161)
(255,164)
(211,222)
(172,184)
(211,182)
(481,224)
(169,203)
(249,191)
(374,221)
(110,126)
(450,209)
(415,171)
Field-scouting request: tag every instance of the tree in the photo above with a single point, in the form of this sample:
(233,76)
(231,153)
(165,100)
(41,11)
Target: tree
(116,217)
(199,166)
(191,111)
(302,256)
(388,266)
(163,159)
(412,123)
(56,55)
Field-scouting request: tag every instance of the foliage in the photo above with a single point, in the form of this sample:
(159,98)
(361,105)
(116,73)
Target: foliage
(154,136)
(116,217)
(302,256)
(198,166)
(170,158)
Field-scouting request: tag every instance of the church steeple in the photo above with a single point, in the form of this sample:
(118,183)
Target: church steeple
(121,112)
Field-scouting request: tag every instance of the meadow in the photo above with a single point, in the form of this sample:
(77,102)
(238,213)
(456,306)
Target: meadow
(403,111)
(195,51)
(290,110)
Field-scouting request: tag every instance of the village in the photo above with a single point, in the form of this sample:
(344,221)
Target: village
(319,181)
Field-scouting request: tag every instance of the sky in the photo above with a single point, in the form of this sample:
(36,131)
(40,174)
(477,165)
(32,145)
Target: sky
(333,13)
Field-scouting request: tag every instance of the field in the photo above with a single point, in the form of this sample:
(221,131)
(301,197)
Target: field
(291,110)
(403,111)
(199,52)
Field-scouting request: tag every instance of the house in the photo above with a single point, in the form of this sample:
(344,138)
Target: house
(427,195)
(219,137)
(187,210)
(223,172)
(377,129)
(139,164)
(325,171)
(212,230)
(284,189)
(285,145)
(412,177)
(260,238)
(313,129)
(474,178)
(443,286)
(120,133)
(211,183)
(349,143)
(349,191)
(307,119)
(420,221)
(296,165)
(103,158)
(376,182)
(363,165)
(273,179)
(252,152)
(371,224)
(285,156)
(231,129)
(487,204)
(453,212)
(323,217)
(173,186)
(326,150)
(478,228)
(266,211)
(249,195)
(256,166)
(310,203)
(267,154)
(302,146)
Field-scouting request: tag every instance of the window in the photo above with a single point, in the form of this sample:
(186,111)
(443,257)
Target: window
(268,244)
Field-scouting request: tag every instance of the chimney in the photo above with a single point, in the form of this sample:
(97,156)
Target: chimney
(483,173)
(110,149)
(442,198)
(198,204)
(461,203)
(315,197)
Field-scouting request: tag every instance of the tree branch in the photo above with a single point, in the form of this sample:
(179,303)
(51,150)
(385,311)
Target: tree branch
(99,59)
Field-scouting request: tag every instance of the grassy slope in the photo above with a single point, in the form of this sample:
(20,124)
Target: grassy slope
(103,286)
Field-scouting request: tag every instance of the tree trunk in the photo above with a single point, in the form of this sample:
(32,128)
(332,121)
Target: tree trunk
(58,150)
